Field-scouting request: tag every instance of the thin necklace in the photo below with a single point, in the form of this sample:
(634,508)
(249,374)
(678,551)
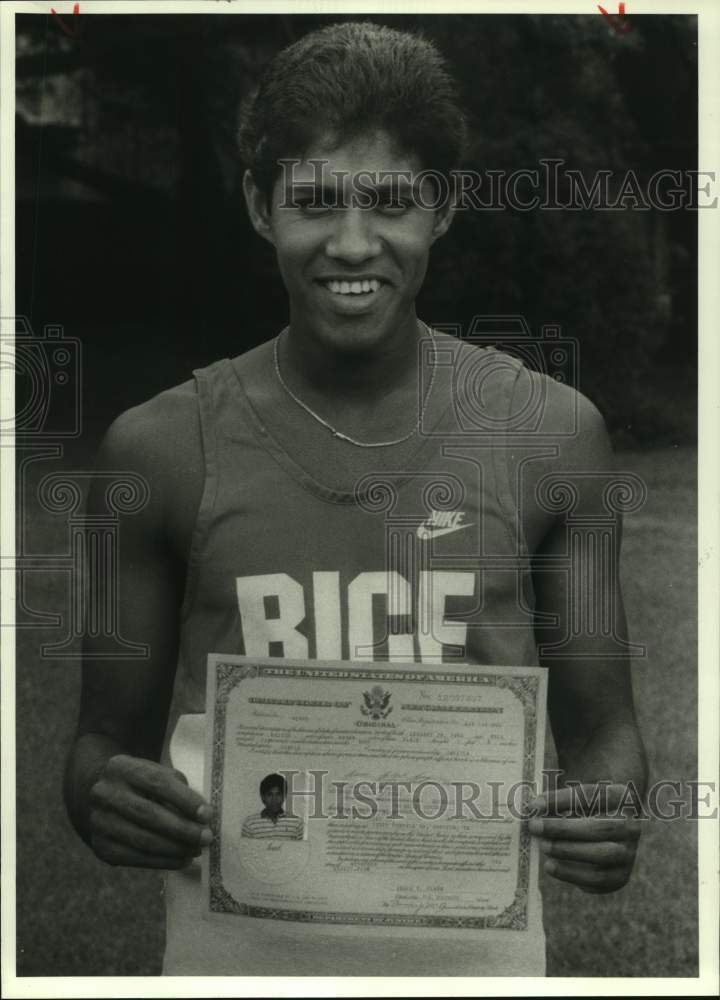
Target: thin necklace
(344,437)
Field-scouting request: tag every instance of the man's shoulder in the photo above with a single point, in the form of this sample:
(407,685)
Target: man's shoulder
(537,404)
(567,449)
(159,415)
(556,410)
(549,429)
(172,416)
(160,440)
(157,430)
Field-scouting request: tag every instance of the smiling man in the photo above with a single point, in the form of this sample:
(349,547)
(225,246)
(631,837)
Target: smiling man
(272,477)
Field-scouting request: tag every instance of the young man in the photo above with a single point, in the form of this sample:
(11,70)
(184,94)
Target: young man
(272,821)
(272,478)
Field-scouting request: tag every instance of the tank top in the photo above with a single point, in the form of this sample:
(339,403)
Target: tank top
(308,547)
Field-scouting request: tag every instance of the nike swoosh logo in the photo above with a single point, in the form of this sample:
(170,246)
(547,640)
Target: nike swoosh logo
(424,532)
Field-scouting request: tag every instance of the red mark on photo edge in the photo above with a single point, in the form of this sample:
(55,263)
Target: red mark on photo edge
(618,23)
(76,10)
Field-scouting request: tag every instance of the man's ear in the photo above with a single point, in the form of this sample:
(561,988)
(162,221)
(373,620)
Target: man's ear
(443,219)
(257,208)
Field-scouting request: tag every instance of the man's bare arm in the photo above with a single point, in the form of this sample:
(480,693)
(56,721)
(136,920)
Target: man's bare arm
(590,700)
(125,805)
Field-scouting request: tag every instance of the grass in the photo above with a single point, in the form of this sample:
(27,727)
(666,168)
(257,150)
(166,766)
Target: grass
(650,928)
(76,916)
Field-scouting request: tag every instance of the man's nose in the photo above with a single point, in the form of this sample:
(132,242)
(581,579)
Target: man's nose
(353,239)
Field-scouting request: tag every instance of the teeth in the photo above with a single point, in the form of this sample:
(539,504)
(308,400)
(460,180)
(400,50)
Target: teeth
(353,287)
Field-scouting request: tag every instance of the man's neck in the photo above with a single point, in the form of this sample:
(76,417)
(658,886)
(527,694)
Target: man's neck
(361,389)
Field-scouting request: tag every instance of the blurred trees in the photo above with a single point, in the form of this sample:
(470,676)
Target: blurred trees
(130,216)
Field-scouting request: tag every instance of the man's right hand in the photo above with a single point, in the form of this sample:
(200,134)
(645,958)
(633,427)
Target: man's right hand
(145,815)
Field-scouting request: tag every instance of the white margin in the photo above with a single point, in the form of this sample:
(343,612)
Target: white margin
(7,491)
(708,490)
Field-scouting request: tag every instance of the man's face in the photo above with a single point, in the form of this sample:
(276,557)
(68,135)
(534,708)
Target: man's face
(273,800)
(352,272)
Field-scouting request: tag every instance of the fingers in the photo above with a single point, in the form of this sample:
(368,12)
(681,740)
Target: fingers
(589,878)
(583,799)
(161,783)
(118,829)
(608,854)
(145,815)
(592,829)
(586,839)
(115,852)
(125,802)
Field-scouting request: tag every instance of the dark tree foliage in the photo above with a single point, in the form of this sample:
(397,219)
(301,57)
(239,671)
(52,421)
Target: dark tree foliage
(132,233)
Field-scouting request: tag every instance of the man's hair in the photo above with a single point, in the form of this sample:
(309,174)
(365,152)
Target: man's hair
(273,781)
(346,80)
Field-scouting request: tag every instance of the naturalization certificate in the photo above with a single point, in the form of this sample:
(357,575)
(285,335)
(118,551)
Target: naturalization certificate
(383,795)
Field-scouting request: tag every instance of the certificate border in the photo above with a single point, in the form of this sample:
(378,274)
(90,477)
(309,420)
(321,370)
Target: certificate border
(229,675)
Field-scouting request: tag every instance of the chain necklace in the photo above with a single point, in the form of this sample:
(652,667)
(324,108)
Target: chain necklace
(344,437)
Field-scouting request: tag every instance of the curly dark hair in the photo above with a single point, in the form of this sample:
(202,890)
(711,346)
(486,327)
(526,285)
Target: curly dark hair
(348,79)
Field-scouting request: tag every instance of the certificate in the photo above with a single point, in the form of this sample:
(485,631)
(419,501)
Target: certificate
(390,794)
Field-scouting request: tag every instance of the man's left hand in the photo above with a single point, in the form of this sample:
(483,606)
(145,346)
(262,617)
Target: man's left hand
(594,852)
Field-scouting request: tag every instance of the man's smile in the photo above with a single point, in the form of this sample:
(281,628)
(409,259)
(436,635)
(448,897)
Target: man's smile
(352,295)
(352,287)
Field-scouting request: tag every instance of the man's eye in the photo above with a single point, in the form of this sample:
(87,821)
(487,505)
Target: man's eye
(311,207)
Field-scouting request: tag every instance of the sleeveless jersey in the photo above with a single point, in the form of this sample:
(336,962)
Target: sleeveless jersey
(308,547)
